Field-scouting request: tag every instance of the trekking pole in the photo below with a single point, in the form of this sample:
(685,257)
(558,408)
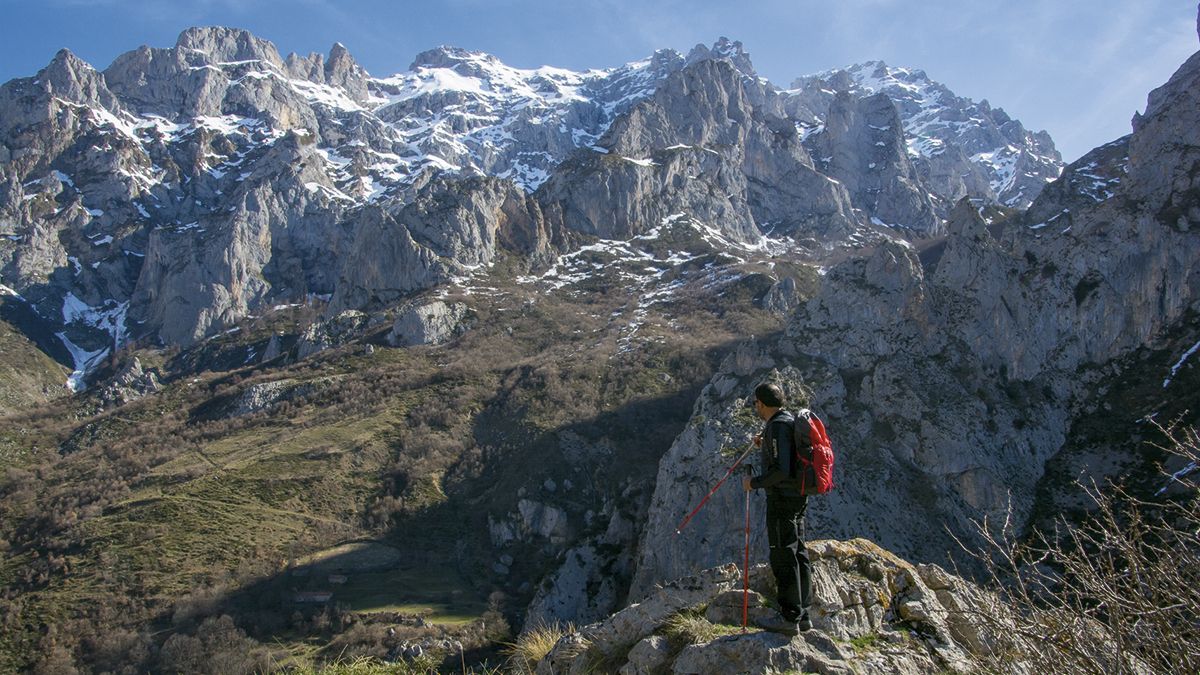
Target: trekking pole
(746,564)
(699,506)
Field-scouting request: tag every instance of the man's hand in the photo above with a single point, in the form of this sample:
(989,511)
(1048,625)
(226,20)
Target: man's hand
(746,483)
(758,440)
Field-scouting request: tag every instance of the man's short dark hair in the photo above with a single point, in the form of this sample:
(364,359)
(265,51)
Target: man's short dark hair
(770,394)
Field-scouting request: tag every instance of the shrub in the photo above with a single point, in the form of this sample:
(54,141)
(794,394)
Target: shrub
(534,644)
(689,627)
(219,647)
(1115,593)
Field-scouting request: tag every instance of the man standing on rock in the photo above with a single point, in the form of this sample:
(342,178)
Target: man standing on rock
(785,506)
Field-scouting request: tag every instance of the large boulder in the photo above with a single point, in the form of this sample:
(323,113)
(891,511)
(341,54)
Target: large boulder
(429,323)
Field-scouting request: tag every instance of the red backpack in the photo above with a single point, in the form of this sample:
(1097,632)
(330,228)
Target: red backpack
(813,453)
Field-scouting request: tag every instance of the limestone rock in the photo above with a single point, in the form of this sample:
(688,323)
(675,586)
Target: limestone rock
(449,229)
(634,623)
(334,332)
(908,619)
(959,147)
(648,656)
(427,324)
(592,579)
(543,520)
(130,383)
(782,298)
(1163,149)
(258,397)
(343,71)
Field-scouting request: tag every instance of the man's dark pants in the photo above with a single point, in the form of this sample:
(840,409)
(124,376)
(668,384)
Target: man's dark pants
(789,558)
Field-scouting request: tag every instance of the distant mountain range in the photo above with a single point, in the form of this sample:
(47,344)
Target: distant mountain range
(184,189)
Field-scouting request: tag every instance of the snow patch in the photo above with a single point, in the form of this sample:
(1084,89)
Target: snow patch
(84,361)
(1179,364)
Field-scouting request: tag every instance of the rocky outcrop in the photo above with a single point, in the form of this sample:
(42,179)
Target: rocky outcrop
(129,383)
(336,331)
(625,628)
(872,613)
(1164,148)
(427,324)
(259,397)
(782,297)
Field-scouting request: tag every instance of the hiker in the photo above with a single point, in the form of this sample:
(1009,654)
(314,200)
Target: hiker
(785,506)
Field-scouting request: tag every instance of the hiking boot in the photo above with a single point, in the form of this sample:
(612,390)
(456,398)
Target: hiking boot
(775,623)
(803,623)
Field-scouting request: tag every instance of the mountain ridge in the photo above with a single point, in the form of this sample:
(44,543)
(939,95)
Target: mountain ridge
(201,117)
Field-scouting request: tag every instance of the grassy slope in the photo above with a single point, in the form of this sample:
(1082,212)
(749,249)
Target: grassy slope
(27,376)
(156,507)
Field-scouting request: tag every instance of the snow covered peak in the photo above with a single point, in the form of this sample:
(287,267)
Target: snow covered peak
(468,111)
(1015,162)
(877,76)
(450,69)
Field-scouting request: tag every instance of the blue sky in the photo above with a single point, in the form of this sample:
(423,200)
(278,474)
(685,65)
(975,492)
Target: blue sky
(1077,68)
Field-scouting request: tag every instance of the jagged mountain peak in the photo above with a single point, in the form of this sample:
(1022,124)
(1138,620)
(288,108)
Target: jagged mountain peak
(724,48)
(222,44)
(66,78)
(71,77)
(466,61)
(65,58)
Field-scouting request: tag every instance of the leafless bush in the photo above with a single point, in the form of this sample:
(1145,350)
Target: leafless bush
(218,647)
(1116,593)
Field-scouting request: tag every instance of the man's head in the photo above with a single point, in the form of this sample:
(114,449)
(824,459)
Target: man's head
(768,399)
